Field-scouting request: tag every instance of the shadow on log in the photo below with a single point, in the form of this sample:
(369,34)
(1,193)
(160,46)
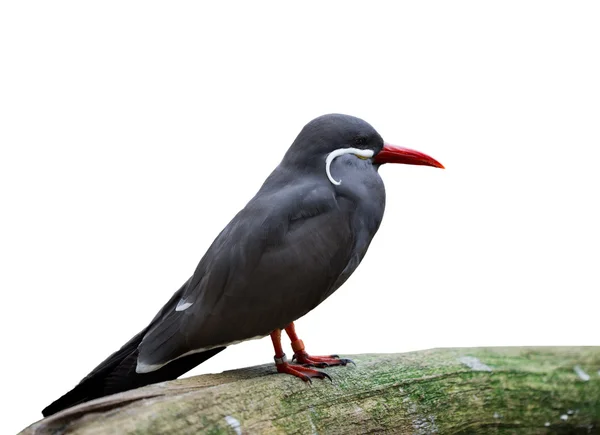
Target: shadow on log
(542,390)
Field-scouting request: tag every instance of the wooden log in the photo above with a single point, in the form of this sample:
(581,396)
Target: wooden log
(447,391)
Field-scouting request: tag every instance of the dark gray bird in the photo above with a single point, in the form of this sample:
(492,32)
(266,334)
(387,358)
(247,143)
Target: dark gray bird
(295,243)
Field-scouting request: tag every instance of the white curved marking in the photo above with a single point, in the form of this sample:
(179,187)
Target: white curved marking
(183,305)
(234,423)
(367,154)
(142,367)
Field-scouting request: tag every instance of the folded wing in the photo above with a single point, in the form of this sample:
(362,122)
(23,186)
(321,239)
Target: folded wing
(276,260)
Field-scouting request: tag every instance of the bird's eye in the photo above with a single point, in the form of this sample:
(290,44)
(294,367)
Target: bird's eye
(361,140)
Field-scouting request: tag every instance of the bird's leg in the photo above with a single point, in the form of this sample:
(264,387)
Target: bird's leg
(283,366)
(302,357)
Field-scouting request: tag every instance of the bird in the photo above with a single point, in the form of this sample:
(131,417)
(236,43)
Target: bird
(294,243)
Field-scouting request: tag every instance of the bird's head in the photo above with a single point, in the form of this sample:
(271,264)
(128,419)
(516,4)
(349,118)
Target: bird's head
(330,136)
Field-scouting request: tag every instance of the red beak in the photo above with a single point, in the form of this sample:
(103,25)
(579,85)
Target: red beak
(396,154)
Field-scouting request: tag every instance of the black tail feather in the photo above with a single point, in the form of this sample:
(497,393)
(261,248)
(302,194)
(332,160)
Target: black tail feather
(117,374)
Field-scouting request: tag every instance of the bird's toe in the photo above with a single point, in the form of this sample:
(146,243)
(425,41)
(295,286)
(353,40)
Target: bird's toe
(302,372)
(321,361)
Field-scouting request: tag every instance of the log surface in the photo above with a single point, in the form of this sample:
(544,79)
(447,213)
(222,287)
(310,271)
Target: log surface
(554,390)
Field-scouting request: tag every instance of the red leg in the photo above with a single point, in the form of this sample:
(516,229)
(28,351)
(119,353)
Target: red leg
(283,366)
(303,357)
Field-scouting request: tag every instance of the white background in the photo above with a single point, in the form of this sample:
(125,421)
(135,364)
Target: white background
(132,132)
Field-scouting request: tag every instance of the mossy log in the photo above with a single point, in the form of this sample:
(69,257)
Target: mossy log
(447,391)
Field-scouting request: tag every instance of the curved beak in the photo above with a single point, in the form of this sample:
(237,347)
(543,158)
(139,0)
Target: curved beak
(396,154)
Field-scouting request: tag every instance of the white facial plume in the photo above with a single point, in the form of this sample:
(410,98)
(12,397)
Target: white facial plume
(365,154)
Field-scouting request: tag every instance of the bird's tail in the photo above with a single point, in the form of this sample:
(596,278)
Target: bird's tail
(117,373)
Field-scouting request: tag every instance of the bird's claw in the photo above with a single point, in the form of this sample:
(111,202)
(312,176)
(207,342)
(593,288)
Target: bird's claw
(320,361)
(317,364)
(345,360)
(349,361)
(301,372)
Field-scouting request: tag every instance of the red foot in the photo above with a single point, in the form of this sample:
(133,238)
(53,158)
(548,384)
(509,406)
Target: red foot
(320,361)
(301,372)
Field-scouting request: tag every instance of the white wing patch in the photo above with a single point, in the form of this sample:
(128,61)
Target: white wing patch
(367,154)
(142,367)
(183,305)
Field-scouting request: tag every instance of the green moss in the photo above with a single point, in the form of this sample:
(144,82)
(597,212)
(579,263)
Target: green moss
(527,392)
(430,391)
